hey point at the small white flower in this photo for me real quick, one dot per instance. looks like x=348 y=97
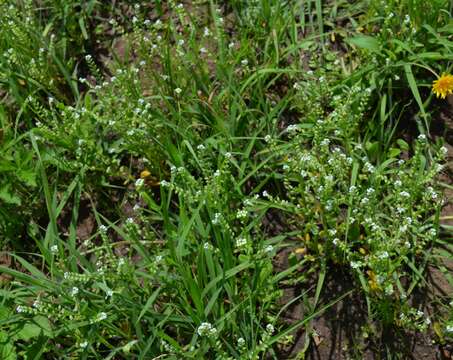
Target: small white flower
x=228 y=155
x=405 y=194
x=325 y=142
x=422 y=137
x=83 y=345
x=267 y=138
x=398 y=183
x=139 y=183
x=201 y=147
x=103 y=228
x=109 y=293
x=101 y=316
x=270 y=328
x=217 y=173
x=269 y=249
x=368 y=167
x=20 y=309
x=206 y=329
x=178 y=91
x=217 y=218
x=203 y=50
x=449 y=328
x=54 y=249
x=241 y=342
x=241 y=242
x=244 y=62
x=74 y=291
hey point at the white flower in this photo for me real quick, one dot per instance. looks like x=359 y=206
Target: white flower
x=269 y=249
x=241 y=342
x=203 y=50
x=103 y=228
x=178 y=91
x=109 y=293
x=336 y=241
x=383 y=255
x=139 y=183
x=325 y=142
x=267 y=138
x=398 y=183
x=422 y=137
x=217 y=218
x=449 y=328
x=20 y=309
x=206 y=329
x=368 y=167
x=228 y=155
x=244 y=62
x=405 y=194
x=54 y=249
x=101 y=316
x=270 y=328
x=291 y=128
x=74 y=291
x=241 y=242
x=201 y=147
x=242 y=214
x=83 y=345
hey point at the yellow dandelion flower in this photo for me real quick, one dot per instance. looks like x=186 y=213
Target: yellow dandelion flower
x=443 y=86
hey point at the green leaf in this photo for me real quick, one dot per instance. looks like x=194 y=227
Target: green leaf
x=7 y=349
x=402 y=144
x=27 y=176
x=8 y=196
x=365 y=42
x=394 y=152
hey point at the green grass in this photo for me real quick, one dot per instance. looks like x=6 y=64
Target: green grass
x=168 y=171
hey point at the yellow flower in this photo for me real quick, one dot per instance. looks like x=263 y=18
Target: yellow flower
x=144 y=174
x=443 y=86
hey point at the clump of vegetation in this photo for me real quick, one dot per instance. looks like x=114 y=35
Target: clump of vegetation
x=169 y=170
